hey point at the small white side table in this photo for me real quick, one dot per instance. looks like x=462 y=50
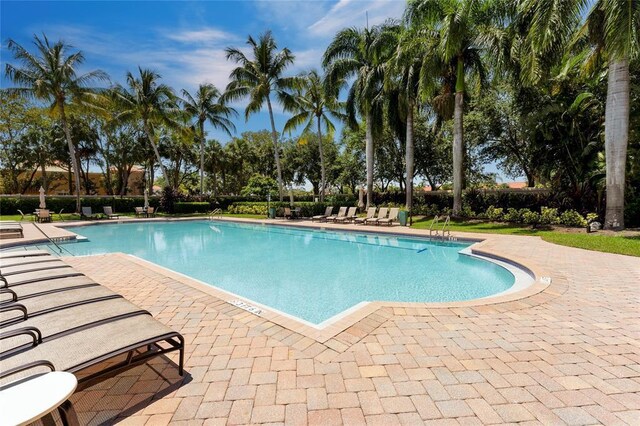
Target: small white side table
x=24 y=401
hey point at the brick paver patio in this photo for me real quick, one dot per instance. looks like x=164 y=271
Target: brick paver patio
x=567 y=355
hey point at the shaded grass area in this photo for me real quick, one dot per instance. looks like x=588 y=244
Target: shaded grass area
x=618 y=244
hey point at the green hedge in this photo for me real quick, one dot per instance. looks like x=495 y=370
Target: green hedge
x=192 y=207
x=307 y=209
x=11 y=205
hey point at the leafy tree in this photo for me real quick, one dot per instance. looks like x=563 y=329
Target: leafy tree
x=51 y=75
x=361 y=55
x=433 y=153
x=301 y=161
x=258 y=78
x=15 y=117
x=207 y=106
x=314 y=101
x=260 y=186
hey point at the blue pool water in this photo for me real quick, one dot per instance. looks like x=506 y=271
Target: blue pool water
x=310 y=274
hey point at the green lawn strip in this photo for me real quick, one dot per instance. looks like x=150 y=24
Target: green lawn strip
x=618 y=244
x=605 y=243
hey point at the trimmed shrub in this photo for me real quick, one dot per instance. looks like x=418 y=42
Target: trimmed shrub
x=549 y=216
x=494 y=213
x=572 y=218
x=307 y=209
x=191 y=207
x=512 y=215
x=529 y=217
x=11 y=205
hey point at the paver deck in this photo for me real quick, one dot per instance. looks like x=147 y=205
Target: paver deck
x=568 y=354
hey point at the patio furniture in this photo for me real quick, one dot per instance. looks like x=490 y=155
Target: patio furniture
x=23 y=253
x=11 y=229
x=323 y=217
x=44 y=215
x=382 y=213
x=31 y=277
x=342 y=211
x=371 y=213
x=393 y=217
x=140 y=211
x=8 y=270
x=151 y=212
x=13 y=261
x=76 y=324
x=87 y=213
x=57 y=323
x=290 y=213
x=139 y=338
x=351 y=214
x=25 y=401
x=108 y=211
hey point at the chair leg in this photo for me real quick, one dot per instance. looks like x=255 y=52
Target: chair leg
x=68 y=414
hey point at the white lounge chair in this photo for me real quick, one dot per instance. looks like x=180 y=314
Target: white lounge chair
x=323 y=217
x=393 y=216
x=382 y=213
x=371 y=213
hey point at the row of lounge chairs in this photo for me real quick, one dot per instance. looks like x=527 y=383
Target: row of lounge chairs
x=55 y=318
x=11 y=229
x=385 y=216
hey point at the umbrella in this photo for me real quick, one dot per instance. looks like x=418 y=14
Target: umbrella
x=146 y=198
x=361 y=198
x=43 y=204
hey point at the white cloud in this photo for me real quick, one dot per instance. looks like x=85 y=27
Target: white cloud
x=198 y=58
x=349 y=13
x=204 y=35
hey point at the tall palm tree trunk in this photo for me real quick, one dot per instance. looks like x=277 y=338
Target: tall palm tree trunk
x=458 y=153
x=72 y=152
x=201 y=158
x=276 y=154
x=616 y=137
x=369 y=157
x=409 y=157
x=323 y=174
x=151 y=136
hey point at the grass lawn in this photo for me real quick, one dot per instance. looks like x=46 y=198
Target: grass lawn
x=619 y=244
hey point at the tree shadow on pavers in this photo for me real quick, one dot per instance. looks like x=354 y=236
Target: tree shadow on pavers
x=128 y=392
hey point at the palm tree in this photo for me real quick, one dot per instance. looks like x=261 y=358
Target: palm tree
x=458 y=25
x=258 y=78
x=613 y=28
x=151 y=102
x=313 y=102
x=405 y=78
x=361 y=54
x=207 y=106
x=51 y=75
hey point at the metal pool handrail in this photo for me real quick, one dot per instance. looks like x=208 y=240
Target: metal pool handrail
x=60 y=249
x=213 y=213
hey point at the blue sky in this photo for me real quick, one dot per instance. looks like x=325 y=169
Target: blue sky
x=184 y=40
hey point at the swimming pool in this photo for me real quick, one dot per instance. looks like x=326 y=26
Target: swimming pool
x=310 y=274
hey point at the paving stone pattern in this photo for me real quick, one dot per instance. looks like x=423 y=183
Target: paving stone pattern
x=568 y=355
